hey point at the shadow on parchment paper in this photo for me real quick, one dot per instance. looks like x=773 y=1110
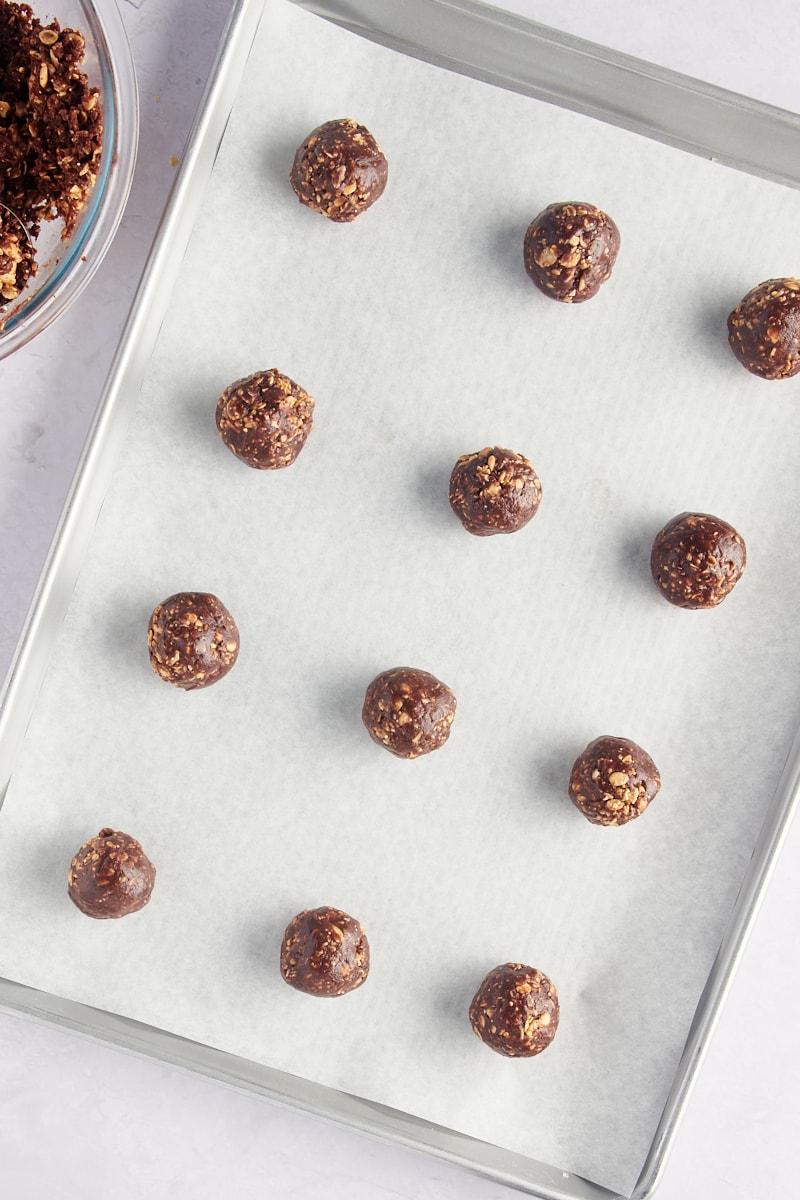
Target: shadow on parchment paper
x=124 y=641
x=503 y=245
x=634 y=546
x=430 y=492
x=262 y=941
x=339 y=702
x=278 y=160
x=708 y=318
x=550 y=771
x=46 y=865
x=549 y=787
x=194 y=413
x=455 y=995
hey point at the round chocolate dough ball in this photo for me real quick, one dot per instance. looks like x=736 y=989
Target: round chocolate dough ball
x=697 y=560
x=515 y=1011
x=570 y=250
x=613 y=781
x=17 y=261
x=324 y=953
x=409 y=712
x=339 y=171
x=193 y=640
x=494 y=491
x=110 y=876
x=764 y=329
x=265 y=419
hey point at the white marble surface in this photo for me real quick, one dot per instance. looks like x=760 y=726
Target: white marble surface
x=79 y=1119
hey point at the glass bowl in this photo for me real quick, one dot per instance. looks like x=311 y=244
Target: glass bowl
x=65 y=267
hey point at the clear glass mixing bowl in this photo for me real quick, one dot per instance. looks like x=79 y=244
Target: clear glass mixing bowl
x=66 y=267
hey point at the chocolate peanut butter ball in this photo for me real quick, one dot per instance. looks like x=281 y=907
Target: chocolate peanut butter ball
x=265 y=419
x=193 y=640
x=339 y=171
x=696 y=560
x=324 y=953
x=494 y=491
x=515 y=1011
x=409 y=712
x=17 y=262
x=764 y=329
x=570 y=250
x=110 y=876
x=613 y=781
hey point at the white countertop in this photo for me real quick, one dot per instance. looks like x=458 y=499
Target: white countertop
x=81 y=1120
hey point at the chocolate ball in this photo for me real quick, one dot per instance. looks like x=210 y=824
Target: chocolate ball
x=570 y=250
x=324 y=952
x=494 y=491
x=409 y=712
x=193 y=640
x=110 y=876
x=696 y=560
x=515 y=1011
x=613 y=781
x=764 y=329
x=339 y=171
x=265 y=419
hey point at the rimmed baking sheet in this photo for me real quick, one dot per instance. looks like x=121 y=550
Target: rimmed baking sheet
x=421 y=338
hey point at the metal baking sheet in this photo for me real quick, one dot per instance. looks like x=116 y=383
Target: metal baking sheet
x=685 y=411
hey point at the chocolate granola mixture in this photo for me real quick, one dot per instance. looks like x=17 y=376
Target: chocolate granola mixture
x=51 y=125
x=17 y=262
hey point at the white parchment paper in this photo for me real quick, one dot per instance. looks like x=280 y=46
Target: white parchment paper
x=421 y=338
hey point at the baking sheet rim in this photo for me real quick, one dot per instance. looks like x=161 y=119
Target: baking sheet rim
x=53 y=595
